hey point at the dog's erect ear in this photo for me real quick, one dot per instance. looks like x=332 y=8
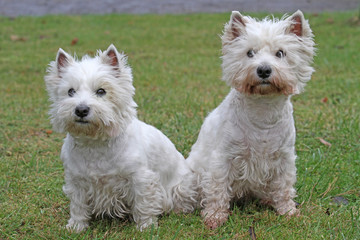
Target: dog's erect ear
x=298 y=25
x=62 y=59
x=113 y=54
x=237 y=24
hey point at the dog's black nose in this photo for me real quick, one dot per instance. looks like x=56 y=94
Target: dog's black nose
x=82 y=110
x=264 y=71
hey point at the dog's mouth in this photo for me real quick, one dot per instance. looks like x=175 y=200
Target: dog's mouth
x=81 y=121
x=265 y=83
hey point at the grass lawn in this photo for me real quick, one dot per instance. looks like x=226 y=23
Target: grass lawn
x=176 y=67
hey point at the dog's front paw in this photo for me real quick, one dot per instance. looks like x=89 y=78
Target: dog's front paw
x=288 y=209
x=147 y=223
x=76 y=226
x=289 y=212
x=214 y=219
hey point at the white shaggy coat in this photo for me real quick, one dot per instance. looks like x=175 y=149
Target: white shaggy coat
x=246 y=145
x=114 y=164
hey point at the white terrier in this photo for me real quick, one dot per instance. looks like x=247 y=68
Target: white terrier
x=114 y=164
x=246 y=145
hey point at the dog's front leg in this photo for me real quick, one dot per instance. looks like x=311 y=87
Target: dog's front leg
x=79 y=210
x=281 y=190
x=149 y=198
x=217 y=196
x=282 y=199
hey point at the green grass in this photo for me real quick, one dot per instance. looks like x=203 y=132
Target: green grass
x=176 y=66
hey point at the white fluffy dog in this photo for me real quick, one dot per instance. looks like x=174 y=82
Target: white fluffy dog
x=246 y=145
x=114 y=164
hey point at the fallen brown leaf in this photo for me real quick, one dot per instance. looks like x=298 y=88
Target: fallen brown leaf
x=74 y=41
x=16 y=38
x=330 y=20
x=326 y=143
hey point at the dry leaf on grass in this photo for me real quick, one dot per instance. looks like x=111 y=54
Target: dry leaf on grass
x=326 y=143
x=48 y=131
x=16 y=38
x=330 y=20
x=74 y=41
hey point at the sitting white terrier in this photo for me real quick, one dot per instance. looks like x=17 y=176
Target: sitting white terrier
x=246 y=145
x=114 y=164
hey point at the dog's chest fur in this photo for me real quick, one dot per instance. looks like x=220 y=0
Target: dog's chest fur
x=98 y=172
x=254 y=156
x=257 y=146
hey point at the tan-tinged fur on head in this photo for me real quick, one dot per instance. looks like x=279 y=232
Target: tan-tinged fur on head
x=292 y=35
x=108 y=114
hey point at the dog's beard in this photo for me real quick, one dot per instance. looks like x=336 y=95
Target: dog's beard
x=102 y=122
x=91 y=129
x=275 y=84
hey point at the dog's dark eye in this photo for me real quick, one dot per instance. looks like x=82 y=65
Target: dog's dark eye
x=100 y=92
x=71 y=92
x=280 y=54
x=250 y=53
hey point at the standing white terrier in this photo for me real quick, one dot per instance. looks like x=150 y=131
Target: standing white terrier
x=246 y=145
x=114 y=164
